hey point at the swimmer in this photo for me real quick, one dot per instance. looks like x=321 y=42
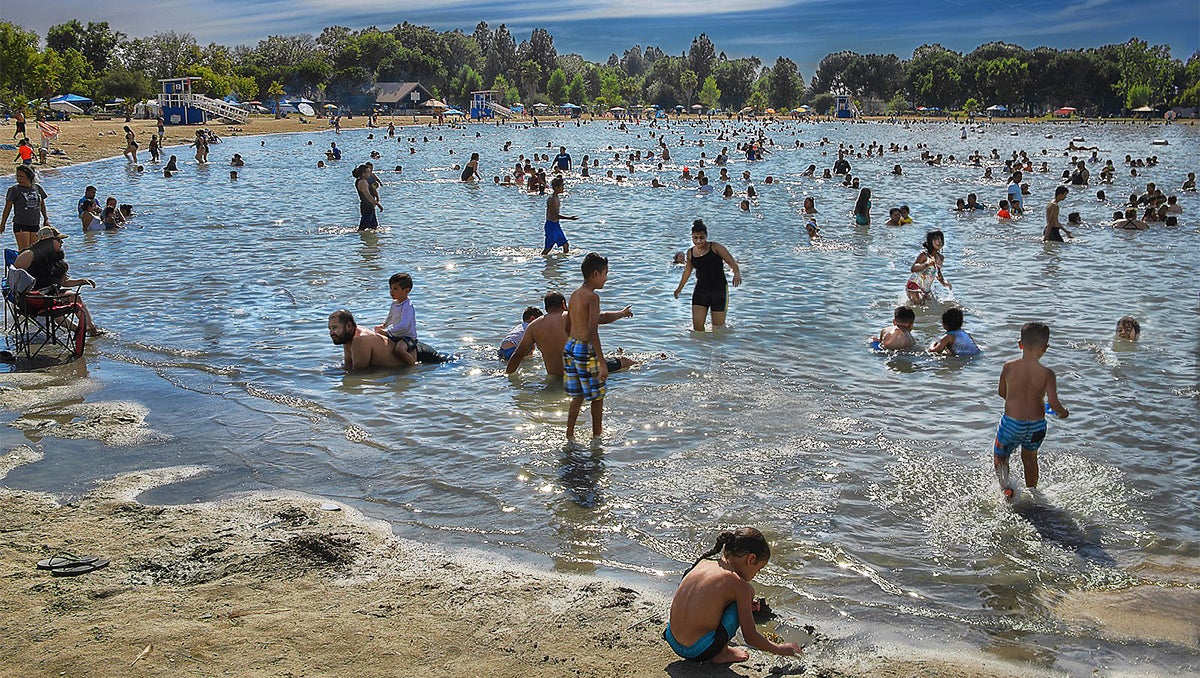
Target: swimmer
x=1054 y=230
x=926 y=269
x=715 y=598
x=511 y=340
x=548 y=333
x=898 y=336
x=956 y=341
x=711 y=292
x=1129 y=329
x=811 y=227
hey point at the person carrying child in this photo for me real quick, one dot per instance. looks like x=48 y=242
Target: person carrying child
x=926 y=269
x=1025 y=384
x=956 y=341
x=401 y=323
x=715 y=598
x=898 y=336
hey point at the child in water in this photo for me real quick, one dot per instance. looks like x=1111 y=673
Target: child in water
x=956 y=341
x=1026 y=385
x=715 y=598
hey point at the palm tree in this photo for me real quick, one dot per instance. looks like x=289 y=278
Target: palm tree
x=275 y=91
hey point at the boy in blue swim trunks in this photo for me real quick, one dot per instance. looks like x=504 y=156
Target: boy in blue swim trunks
x=1025 y=385
x=584 y=367
x=554 y=233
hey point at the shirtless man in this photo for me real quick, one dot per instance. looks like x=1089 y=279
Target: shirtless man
x=549 y=334
x=363 y=348
x=1054 y=230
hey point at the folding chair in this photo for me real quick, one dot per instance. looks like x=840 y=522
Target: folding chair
x=39 y=325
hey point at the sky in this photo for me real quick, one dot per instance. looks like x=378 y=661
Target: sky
x=801 y=30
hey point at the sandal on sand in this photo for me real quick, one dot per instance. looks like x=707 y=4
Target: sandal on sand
x=65 y=559
x=82 y=568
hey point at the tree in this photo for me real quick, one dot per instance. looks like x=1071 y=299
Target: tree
x=1006 y=78
x=935 y=76
x=539 y=49
x=45 y=72
x=530 y=74
x=823 y=103
x=633 y=63
x=783 y=84
x=162 y=55
x=556 y=87
x=710 y=94
x=971 y=105
x=18 y=51
x=275 y=92
x=506 y=92
x=77 y=74
x=897 y=105
x=736 y=79
x=1150 y=70
x=96 y=42
x=468 y=80
x=701 y=56
x=687 y=86
x=577 y=91
x=500 y=58
x=130 y=85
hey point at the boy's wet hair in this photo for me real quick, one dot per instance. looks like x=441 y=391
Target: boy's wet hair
x=1130 y=324
x=740 y=542
x=952 y=319
x=531 y=313
x=904 y=314
x=699 y=227
x=554 y=301
x=557 y=182
x=404 y=280
x=593 y=263
x=1035 y=335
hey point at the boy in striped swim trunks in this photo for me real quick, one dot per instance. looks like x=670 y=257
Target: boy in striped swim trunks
x=585 y=370
x=1026 y=385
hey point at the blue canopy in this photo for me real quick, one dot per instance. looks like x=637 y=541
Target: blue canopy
x=71 y=98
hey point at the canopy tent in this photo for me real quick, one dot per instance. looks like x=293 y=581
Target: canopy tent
x=1065 y=110
x=453 y=111
x=1144 y=109
x=996 y=108
x=72 y=99
x=748 y=109
x=115 y=102
x=616 y=109
x=569 y=106
x=434 y=103
x=65 y=107
x=697 y=107
x=539 y=105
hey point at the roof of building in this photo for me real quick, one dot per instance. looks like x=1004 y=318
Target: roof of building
x=396 y=92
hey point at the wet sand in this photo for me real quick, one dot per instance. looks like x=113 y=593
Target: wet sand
x=283 y=584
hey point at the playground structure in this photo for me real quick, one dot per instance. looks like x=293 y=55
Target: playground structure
x=181 y=106
x=483 y=105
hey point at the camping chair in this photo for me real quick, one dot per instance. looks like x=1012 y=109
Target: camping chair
x=41 y=325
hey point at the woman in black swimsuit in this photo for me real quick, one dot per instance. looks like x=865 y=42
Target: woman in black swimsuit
x=711 y=291
x=471 y=171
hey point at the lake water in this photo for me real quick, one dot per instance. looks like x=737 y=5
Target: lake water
x=870 y=474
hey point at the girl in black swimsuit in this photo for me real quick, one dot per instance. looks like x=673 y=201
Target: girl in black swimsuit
x=711 y=292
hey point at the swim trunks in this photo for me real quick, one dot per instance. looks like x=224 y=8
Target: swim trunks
x=614 y=364
x=711 y=643
x=367 y=219
x=711 y=291
x=1014 y=433
x=581 y=371
x=554 y=235
x=506 y=353
x=410 y=343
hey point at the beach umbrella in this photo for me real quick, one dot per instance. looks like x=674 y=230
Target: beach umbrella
x=616 y=109
x=770 y=111
x=1065 y=110
x=697 y=107
x=454 y=111
x=539 y=105
x=330 y=106
x=305 y=109
x=433 y=103
x=747 y=109
x=994 y=108
x=65 y=107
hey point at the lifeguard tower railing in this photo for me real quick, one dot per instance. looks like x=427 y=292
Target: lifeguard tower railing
x=177 y=97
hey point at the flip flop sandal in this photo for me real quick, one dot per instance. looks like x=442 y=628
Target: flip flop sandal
x=83 y=568
x=65 y=559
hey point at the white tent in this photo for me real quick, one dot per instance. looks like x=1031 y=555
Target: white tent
x=65 y=107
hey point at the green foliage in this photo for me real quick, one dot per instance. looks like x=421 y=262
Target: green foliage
x=1145 y=72
x=556 y=87
x=897 y=105
x=935 y=76
x=971 y=105
x=577 y=91
x=506 y=92
x=710 y=94
x=130 y=85
x=823 y=103
x=1005 y=77
x=1137 y=96
x=18 y=52
x=468 y=80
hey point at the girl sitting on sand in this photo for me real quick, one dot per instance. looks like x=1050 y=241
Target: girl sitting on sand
x=715 y=598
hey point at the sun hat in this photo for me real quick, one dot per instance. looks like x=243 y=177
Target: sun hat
x=51 y=232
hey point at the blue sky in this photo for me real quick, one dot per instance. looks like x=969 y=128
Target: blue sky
x=803 y=30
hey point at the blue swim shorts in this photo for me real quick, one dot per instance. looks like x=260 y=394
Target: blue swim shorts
x=554 y=235
x=1014 y=433
x=711 y=643
x=506 y=353
x=581 y=371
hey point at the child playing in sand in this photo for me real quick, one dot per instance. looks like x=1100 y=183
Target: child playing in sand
x=401 y=323
x=1025 y=384
x=956 y=341
x=584 y=367
x=898 y=336
x=715 y=598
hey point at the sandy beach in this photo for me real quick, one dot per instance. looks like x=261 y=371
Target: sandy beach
x=273 y=585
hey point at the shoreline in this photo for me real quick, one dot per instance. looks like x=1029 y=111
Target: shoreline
x=268 y=583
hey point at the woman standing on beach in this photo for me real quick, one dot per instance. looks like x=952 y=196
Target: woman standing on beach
x=862 y=208
x=26 y=200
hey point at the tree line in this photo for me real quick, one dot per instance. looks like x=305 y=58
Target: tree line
x=343 y=65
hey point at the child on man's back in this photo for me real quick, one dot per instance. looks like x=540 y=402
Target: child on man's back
x=401 y=323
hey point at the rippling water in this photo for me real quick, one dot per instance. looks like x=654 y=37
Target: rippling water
x=870 y=474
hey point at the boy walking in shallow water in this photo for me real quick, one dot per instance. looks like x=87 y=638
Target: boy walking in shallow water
x=583 y=360
x=1025 y=384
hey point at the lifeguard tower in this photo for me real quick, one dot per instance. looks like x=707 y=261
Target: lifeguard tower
x=842 y=106
x=483 y=105
x=181 y=106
